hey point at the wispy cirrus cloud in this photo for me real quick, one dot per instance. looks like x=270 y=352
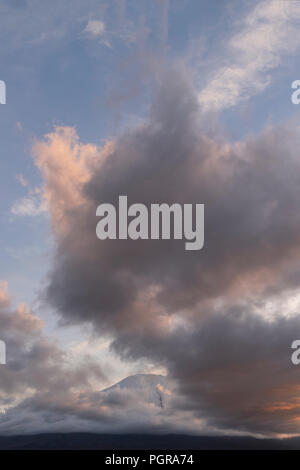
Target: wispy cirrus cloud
x=267 y=35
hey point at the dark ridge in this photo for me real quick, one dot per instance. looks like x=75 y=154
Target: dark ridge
x=88 y=441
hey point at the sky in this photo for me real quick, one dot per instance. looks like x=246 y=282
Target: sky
x=182 y=101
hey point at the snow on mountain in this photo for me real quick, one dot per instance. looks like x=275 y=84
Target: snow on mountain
x=151 y=388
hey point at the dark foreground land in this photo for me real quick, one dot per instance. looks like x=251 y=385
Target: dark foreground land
x=86 y=441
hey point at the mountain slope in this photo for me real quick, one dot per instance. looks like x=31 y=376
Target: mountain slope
x=153 y=388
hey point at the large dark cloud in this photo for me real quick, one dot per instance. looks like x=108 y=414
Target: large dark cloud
x=193 y=312
x=234 y=367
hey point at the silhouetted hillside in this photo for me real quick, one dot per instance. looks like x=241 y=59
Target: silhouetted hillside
x=86 y=441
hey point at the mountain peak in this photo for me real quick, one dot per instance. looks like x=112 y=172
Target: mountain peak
x=152 y=387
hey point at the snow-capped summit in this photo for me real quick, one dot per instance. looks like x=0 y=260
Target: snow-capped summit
x=151 y=387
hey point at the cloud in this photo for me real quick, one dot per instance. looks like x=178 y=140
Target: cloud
x=46 y=388
x=233 y=368
x=37 y=370
x=66 y=165
x=4 y=294
x=32 y=205
x=61 y=154
x=28 y=207
x=268 y=34
x=19 y=126
x=95 y=28
x=22 y=180
x=196 y=314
